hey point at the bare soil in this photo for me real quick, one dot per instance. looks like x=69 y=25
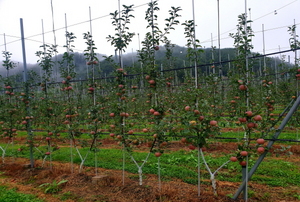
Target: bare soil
x=80 y=187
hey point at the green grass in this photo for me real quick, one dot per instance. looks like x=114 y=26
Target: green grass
x=11 y=195
x=237 y=135
x=183 y=165
x=240 y=135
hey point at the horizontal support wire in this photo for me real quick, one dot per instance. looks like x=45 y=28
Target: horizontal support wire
x=181 y=136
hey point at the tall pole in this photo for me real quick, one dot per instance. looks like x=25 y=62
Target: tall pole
x=120 y=51
x=67 y=43
x=142 y=72
x=219 y=41
x=23 y=50
x=229 y=64
x=152 y=30
x=6 y=58
x=4 y=42
x=250 y=20
x=247 y=94
x=280 y=57
x=195 y=62
x=30 y=136
x=212 y=52
x=246 y=56
x=295 y=40
x=264 y=50
x=44 y=47
x=54 y=36
x=92 y=52
x=196 y=86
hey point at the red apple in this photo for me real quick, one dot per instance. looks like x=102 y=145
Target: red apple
x=66 y=122
x=213 y=123
x=196 y=111
x=157 y=154
x=251 y=125
x=156 y=113
x=260 y=141
x=152 y=111
x=233 y=159
x=260 y=150
x=243 y=87
x=187 y=108
x=183 y=140
x=249 y=113
x=151 y=82
x=257 y=118
x=242 y=120
x=201 y=118
x=244 y=153
x=243 y=163
x=192 y=147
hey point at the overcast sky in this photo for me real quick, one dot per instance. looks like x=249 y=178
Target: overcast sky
x=276 y=15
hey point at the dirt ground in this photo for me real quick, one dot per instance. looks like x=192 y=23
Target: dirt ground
x=111 y=187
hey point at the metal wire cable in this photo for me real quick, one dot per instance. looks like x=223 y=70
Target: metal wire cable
x=97 y=18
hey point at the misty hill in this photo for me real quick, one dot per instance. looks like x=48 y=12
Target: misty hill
x=133 y=66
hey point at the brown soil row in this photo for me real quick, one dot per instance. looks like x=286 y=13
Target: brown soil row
x=111 y=187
